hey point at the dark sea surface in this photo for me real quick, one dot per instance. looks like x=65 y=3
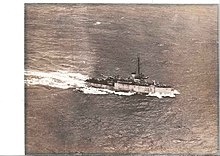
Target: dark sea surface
x=67 y=43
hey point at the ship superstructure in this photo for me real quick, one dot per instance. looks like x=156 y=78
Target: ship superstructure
x=137 y=82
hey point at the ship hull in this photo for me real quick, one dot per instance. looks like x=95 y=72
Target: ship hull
x=99 y=85
x=133 y=88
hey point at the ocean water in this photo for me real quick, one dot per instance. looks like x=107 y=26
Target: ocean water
x=67 y=43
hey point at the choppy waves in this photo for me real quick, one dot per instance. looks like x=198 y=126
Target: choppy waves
x=65 y=80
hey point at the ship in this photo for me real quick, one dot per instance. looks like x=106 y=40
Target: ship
x=137 y=83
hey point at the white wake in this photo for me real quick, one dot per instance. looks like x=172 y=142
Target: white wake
x=65 y=80
x=59 y=79
x=160 y=95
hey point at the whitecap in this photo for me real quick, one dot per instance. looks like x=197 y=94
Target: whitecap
x=97 y=23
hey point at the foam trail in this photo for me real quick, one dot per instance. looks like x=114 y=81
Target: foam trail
x=176 y=92
x=59 y=79
x=160 y=95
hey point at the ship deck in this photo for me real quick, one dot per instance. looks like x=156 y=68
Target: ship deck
x=111 y=82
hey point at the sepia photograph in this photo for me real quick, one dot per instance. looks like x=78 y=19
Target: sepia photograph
x=121 y=78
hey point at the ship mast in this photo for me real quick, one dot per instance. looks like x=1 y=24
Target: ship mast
x=138 y=66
